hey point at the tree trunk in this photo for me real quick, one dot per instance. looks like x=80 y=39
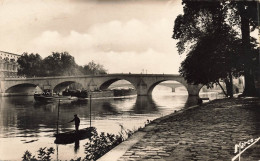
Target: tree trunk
x=250 y=89
x=222 y=89
x=231 y=85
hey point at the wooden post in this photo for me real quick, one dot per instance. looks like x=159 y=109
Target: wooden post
x=58 y=117
x=239 y=151
x=90 y=111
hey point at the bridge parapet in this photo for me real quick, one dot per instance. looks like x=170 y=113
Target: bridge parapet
x=143 y=83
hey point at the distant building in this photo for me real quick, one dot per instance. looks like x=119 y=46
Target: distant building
x=8 y=64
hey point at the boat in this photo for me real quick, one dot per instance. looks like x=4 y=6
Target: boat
x=124 y=92
x=97 y=94
x=50 y=98
x=42 y=98
x=73 y=136
x=100 y=94
x=85 y=94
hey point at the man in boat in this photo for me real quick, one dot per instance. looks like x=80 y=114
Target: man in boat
x=77 y=121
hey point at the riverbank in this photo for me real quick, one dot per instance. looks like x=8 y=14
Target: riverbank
x=206 y=132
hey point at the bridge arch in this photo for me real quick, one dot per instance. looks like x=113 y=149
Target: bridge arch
x=63 y=85
x=23 y=88
x=109 y=82
x=151 y=88
x=106 y=84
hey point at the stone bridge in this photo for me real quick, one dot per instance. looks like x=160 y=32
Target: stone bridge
x=143 y=83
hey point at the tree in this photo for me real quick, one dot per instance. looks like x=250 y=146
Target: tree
x=60 y=64
x=246 y=14
x=30 y=65
x=213 y=46
x=57 y=64
x=199 y=19
x=52 y=65
x=94 y=68
x=203 y=26
x=218 y=60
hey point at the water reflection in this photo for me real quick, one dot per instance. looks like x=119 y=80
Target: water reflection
x=31 y=117
x=31 y=125
x=76 y=146
x=144 y=104
x=108 y=108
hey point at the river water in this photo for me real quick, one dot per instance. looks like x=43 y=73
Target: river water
x=28 y=125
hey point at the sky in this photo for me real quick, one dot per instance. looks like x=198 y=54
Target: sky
x=122 y=35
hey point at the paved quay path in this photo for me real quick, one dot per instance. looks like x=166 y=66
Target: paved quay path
x=206 y=132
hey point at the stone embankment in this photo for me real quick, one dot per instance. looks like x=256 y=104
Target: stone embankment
x=206 y=132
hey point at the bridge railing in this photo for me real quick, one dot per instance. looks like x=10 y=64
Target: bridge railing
x=96 y=75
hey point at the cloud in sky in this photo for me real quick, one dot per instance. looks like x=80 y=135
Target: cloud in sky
x=117 y=36
x=121 y=47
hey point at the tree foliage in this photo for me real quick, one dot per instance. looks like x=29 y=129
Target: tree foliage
x=30 y=65
x=213 y=46
x=101 y=144
x=244 y=9
x=57 y=64
x=205 y=68
x=60 y=64
x=94 y=68
x=43 y=155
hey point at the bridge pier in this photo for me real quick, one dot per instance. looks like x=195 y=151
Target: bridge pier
x=142 y=89
x=142 y=93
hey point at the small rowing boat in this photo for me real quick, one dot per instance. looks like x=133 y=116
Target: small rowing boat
x=72 y=136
